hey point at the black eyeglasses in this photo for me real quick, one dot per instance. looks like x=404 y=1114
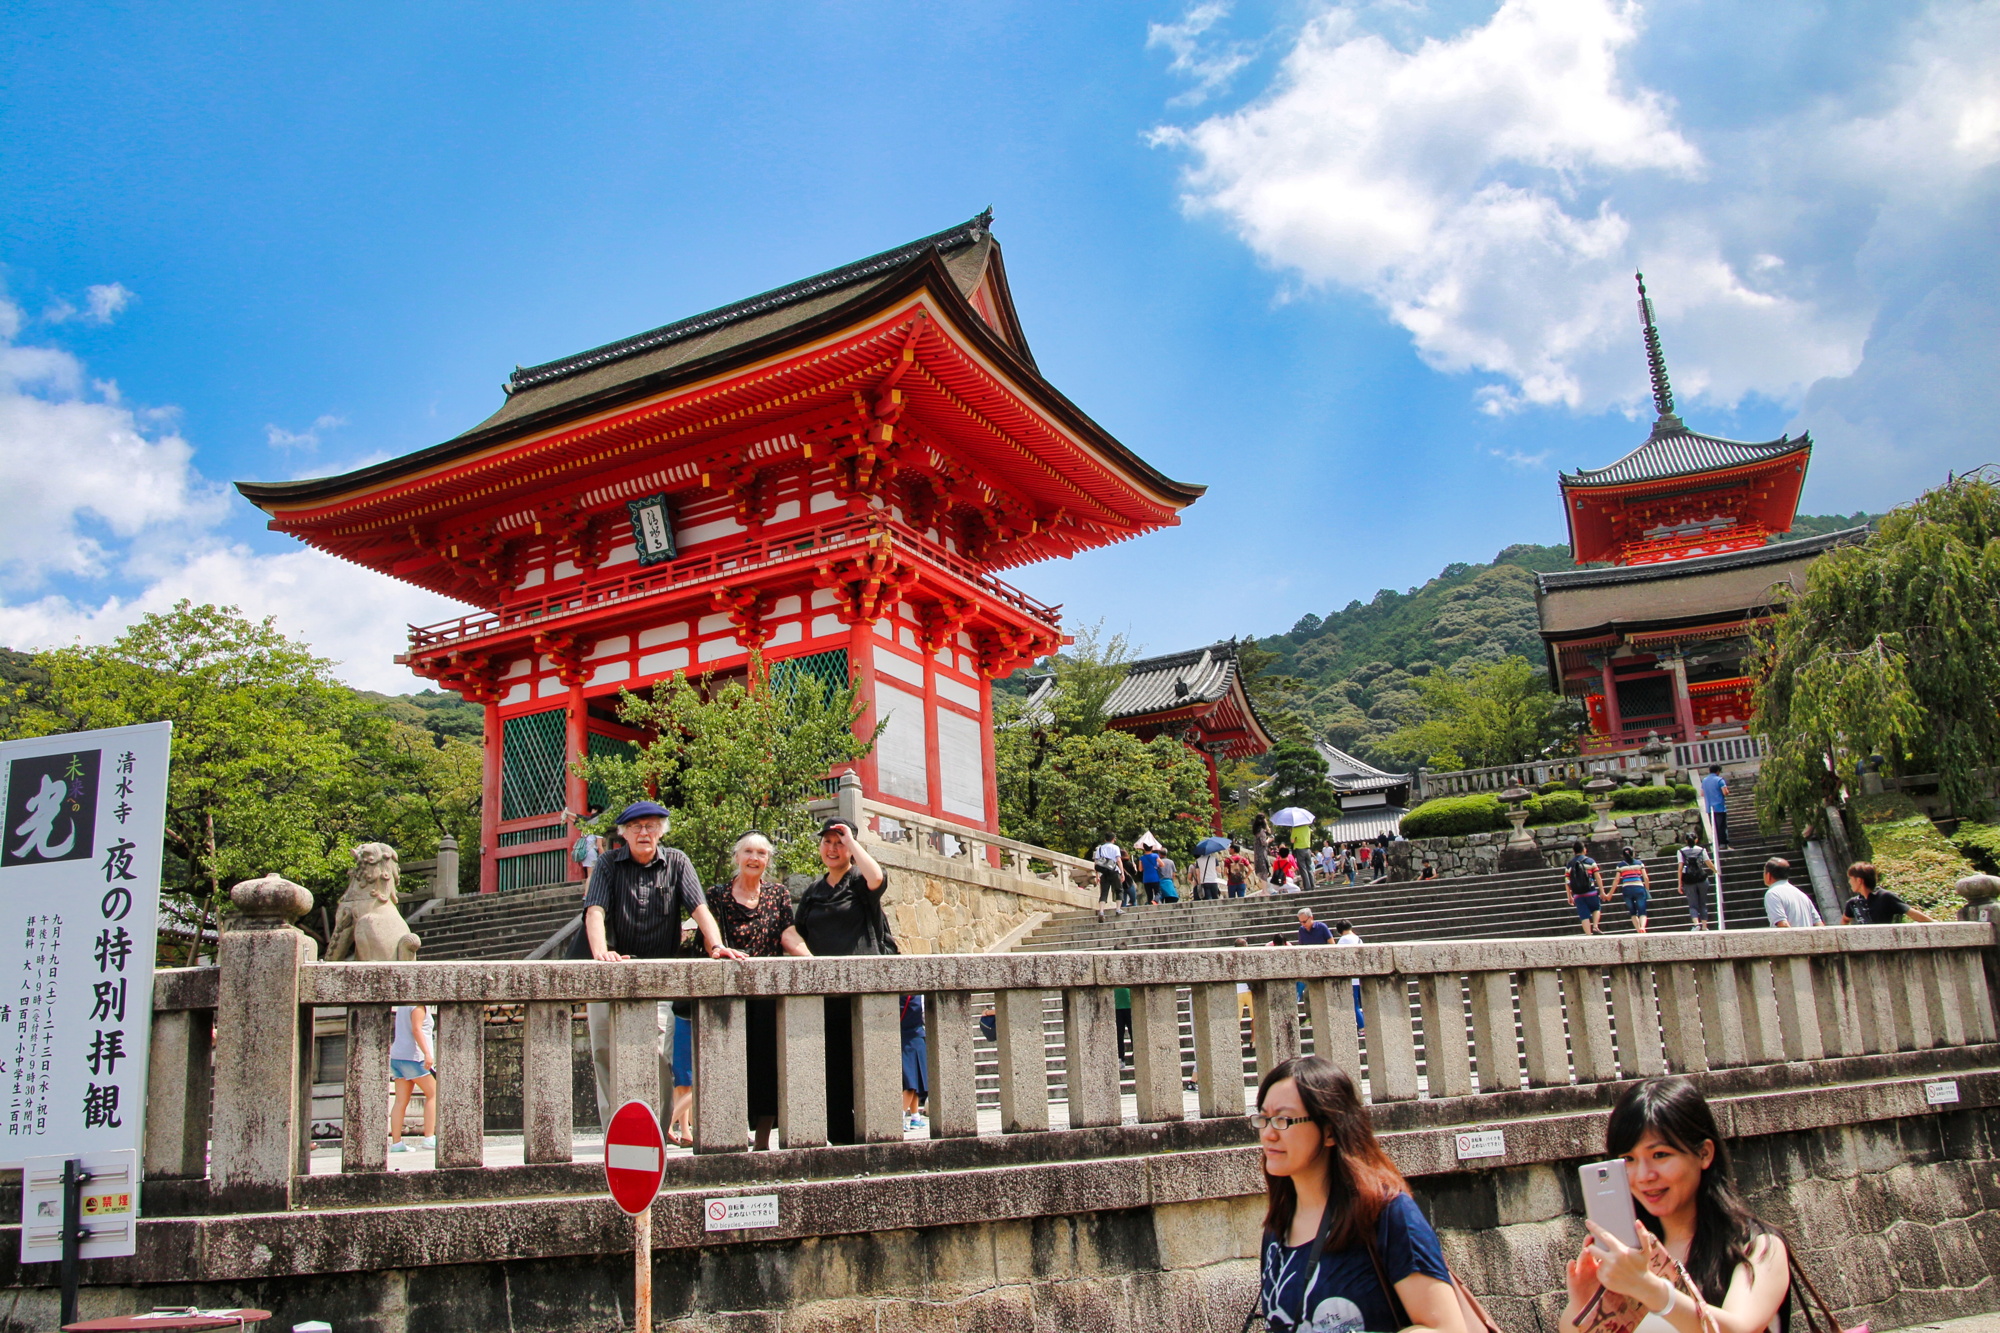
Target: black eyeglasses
x=1281 y=1123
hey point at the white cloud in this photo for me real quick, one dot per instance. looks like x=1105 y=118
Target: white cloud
x=1209 y=62
x=280 y=438
x=102 y=303
x=107 y=498
x=1494 y=189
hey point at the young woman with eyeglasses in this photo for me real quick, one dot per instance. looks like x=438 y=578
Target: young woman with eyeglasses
x=1345 y=1247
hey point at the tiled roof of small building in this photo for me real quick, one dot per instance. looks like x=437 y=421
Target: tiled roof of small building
x=1347 y=773
x=1175 y=680
x=1675 y=451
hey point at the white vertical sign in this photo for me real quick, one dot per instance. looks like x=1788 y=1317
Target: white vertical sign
x=79 y=907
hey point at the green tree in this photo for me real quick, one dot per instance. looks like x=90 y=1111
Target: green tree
x=1893 y=649
x=1298 y=777
x=746 y=753
x=276 y=766
x=1065 y=779
x=1483 y=714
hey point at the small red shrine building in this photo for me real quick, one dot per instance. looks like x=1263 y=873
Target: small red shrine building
x=832 y=471
x=1660 y=640
x=1197 y=697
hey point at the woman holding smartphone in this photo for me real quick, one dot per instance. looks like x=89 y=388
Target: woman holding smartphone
x=1345 y=1246
x=1678 y=1170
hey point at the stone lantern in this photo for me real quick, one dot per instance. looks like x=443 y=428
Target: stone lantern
x=1655 y=752
x=1521 y=851
x=1604 y=841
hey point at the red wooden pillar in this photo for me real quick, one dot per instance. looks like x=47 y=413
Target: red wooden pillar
x=1683 y=701
x=489 y=803
x=933 y=763
x=1214 y=788
x=1613 y=726
x=575 y=790
x=861 y=666
x=988 y=764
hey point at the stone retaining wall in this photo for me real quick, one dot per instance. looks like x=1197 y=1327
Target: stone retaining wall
x=939 y=905
x=1651 y=832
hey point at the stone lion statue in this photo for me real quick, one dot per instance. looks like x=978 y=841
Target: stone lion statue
x=368 y=925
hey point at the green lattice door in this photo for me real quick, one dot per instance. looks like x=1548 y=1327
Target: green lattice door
x=531 y=765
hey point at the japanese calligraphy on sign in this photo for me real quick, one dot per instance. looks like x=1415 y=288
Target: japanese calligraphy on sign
x=79 y=903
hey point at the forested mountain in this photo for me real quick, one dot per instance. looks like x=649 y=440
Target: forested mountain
x=1352 y=674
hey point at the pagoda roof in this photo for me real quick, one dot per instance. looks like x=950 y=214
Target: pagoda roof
x=1347 y=773
x=1673 y=451
x=1776 y=553
x=729 y=337
x=1173 y=686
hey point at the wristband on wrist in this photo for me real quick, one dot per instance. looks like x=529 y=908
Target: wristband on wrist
x=1672 y=1296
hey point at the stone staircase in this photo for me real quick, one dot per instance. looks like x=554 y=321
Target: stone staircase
x=496 y=926
x=1511 y=904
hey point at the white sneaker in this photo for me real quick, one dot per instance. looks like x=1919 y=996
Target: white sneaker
x=400 y=1146
x=430 y=1141
x=915 y=1122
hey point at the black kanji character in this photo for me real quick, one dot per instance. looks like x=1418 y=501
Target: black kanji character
x=100 y=1107
x=118 y=861
x=106 y=1050
x=110 y=1002
x=114 y=947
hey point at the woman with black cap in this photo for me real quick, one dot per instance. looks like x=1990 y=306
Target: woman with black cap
x=839 y=916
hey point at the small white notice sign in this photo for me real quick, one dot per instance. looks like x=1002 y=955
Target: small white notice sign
x=1942 y=1092
x=741 y=1212
x=1482 y=1143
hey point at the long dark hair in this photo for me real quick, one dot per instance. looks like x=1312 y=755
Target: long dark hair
x=1360 y=1179
x=1724 y=1226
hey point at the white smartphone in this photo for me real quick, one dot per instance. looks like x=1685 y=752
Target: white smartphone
x=1607 y=1199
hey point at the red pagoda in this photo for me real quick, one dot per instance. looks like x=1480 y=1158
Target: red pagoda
x=831 y=472
x=1660 y=641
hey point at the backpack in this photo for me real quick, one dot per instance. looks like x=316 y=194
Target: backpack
x=577 y=852
x=1580 y=882
x=1694 y=863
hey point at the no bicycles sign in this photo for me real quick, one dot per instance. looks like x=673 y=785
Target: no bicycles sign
x=741 y=1212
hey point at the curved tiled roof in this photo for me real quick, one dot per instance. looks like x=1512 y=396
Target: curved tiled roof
x=1175 y=680
x=1347 y=773
x=1675 y=451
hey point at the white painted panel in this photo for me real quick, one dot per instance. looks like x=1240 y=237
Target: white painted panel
x=789 y=632
x=899 y=754
x=962 y=695
x=535 y=579
x=610 y=671
x=706 y=532
x=671 y=660
x=825 y=625
x=968 y=666
x=550 y=685
x=543 y=663
x=565 y=569
x=622 y=554
x=824 y=597
x=520 y=666
x=825 y=500
x=944 y=657
x=882 y=628
x=713 y=624
x=964 y=639
x=906 y=611
x=714 y=648
x=961 y=767
x=518 y=694
x=614 y=646
x=892 y=663
x=659 y=634
x=788 y=510
x=907 y=637
x=786 y=606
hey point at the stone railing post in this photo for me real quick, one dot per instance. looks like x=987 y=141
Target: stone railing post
x=1982 y=903
x=260 y=1110
x=445 y=885
x=847 y=796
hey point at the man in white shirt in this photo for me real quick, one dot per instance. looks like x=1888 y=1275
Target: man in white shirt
x=1208 y=876
x=1110 y=876
x=1784 y=905
x=1344 y=935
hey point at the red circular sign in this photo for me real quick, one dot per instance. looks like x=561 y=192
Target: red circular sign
x=635 y=1157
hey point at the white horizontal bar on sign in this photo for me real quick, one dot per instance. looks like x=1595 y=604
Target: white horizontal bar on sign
x=893 y=663
x=631 y=1157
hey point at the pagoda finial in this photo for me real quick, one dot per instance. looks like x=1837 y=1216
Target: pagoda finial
x=1656 y=360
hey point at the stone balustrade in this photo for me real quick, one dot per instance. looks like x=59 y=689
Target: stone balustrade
x=1456 y=1025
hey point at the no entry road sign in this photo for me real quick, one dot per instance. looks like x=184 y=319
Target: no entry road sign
x=635 y=1157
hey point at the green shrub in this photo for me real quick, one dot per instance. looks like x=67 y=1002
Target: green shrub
x=1884 y=808
x=1451 y=816
x=1920 y=864
x=1682 y=791
x=1554 y=785
x=1643 y=798
x=1979 y=844
x=1558 y=807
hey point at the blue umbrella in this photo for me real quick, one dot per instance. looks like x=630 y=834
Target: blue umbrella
x=1210 y=846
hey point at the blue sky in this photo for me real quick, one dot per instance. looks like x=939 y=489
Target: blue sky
x=1363 y=269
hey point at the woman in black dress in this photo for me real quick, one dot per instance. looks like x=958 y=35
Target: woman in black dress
x=840 y=915
x=757 y=918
